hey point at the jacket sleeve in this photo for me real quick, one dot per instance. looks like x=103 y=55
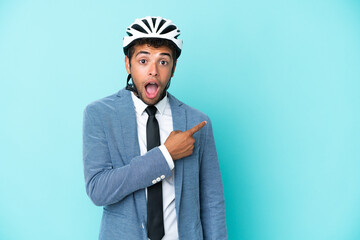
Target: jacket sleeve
x=212 y=204
x=105 y=184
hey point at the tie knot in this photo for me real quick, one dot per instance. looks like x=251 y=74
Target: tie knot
x=151 y=110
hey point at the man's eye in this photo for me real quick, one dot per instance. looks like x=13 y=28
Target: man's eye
x=163 y=62
x=142 y=61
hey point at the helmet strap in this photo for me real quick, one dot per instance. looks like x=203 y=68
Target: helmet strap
x=131 y=86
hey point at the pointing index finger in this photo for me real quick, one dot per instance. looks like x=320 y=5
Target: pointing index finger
x=197 y=127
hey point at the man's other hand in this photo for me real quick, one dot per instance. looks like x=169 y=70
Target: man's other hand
x=181 y=144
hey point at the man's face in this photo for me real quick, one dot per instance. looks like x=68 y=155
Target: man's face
x=151 y=70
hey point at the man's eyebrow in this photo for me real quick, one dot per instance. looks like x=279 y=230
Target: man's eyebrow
x=142 y=52
x=166 y=54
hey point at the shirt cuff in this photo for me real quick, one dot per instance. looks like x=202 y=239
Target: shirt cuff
x=167 y=156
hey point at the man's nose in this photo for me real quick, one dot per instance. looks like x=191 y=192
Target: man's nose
x=153 y=71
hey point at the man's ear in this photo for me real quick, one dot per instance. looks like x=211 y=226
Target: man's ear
x=173 y=70
x=127 y=64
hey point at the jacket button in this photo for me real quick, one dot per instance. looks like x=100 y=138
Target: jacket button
x=162 y=176
x=153 y=181
x=158 y=179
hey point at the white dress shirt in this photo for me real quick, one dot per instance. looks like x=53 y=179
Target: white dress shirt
x=164 y=118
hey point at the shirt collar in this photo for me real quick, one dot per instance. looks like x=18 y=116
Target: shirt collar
x=140 y=106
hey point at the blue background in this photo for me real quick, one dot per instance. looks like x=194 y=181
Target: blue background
x=279 y=79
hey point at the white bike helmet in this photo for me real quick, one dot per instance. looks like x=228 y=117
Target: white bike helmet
x=152 y=27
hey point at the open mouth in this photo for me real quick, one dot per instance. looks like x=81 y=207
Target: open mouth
x=151 y=89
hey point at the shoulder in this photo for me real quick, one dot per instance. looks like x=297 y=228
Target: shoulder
x=105 y=104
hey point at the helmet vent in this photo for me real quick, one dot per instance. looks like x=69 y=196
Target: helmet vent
x=128 y=33
x=160 y=25
x=168 y=29
x=139 y=28
x=147 y=24
x=153 y=21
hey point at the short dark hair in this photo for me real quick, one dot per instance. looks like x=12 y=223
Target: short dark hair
x=153 y=42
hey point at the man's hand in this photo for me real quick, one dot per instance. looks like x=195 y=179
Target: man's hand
x=181 y=144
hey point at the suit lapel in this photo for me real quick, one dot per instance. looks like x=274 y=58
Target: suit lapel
x=127 y=120
x=179 y=123
x=130 y=143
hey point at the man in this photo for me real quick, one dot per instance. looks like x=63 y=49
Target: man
x=154 y=182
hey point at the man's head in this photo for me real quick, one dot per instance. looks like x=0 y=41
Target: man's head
x=151 y=69
x=151 y=50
